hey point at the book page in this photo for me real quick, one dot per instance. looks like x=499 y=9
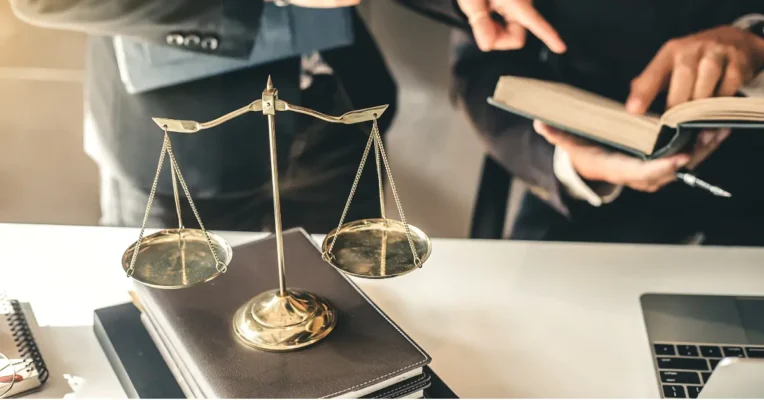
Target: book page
x=739 y=109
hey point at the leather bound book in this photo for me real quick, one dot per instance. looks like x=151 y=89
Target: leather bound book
x=145 y=368
x=406 y=386
x=364 y=350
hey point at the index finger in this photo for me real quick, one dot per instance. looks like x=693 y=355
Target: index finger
x=527 y=15
x=483 y=27
x=649 y=83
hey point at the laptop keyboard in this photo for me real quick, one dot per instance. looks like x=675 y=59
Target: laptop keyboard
x=683 y=368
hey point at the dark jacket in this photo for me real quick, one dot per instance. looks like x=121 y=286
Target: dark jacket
x=609 y=43
x=233 y=158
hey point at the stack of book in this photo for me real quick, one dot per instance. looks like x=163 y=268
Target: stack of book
x=365 y=356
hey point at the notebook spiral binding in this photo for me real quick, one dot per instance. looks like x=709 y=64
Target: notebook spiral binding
x=24 y=340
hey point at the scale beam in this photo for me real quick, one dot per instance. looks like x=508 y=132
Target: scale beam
x=352 y=117
x=187 y=126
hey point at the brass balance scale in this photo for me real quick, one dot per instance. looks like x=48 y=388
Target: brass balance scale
x=282 y=319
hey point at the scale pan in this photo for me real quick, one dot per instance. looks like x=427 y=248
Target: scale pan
x=177 y=258
x=377 y=248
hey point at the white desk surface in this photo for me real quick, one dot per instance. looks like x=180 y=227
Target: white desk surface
x=499 y=318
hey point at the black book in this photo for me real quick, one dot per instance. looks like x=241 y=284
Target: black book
x=133 y=355
x=366 y=351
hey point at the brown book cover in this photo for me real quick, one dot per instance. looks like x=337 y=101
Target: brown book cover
x=365 y=348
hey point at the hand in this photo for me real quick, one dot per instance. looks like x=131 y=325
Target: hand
x=595 y=163
x=518 y=15
x=715 y=62
x=323 y=3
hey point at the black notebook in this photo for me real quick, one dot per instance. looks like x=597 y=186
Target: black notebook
x=364 y=350
x=22 y=368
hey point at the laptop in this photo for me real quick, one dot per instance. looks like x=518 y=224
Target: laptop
x=706 y=346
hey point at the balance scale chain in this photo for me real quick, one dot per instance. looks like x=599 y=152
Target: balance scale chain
x=378 y=138
x=220 y=266
x=379 y=149
x=176 y=173
x=327 y=255
x=148 y=206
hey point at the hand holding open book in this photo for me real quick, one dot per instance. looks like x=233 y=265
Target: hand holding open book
x=597 y=164
x=597 y=131
x=712 y=63
x=716 y=62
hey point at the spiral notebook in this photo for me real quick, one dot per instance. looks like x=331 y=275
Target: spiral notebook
x=26 y=371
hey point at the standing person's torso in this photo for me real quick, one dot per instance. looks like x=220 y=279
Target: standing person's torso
x=132 y=82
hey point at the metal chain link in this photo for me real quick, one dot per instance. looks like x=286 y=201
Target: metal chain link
x=379 y=149
x=219 y=265
x=177 y=196
x=378 y=139
x=381 y=183
x=175 y=170
x=166 y=140
x=327 y=255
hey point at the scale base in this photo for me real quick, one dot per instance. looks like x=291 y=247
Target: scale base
x=273 y=322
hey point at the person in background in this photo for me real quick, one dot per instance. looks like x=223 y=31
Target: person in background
x=199 y=60
x=649 y=55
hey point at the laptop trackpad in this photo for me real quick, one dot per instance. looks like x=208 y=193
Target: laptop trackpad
x=752 y=314
x=694 y=318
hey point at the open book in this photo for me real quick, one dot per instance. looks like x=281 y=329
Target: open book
x=606 y=121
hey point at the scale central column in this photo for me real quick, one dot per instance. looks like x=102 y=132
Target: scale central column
x=269 y=108
x=283 y=319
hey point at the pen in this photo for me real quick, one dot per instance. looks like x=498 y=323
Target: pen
x=692 y=180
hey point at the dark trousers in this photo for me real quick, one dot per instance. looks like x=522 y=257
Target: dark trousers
x=314 y=183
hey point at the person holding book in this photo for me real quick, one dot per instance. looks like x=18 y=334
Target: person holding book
x=648 y=56
x=198 y=60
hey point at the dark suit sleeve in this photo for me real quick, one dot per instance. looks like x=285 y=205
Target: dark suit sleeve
x=222 y=27
x=510 y=139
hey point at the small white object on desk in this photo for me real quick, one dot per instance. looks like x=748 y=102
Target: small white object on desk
x=499 y=318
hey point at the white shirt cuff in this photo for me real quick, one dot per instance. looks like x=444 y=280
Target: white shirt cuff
x=576 y=187
x=754 y=88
